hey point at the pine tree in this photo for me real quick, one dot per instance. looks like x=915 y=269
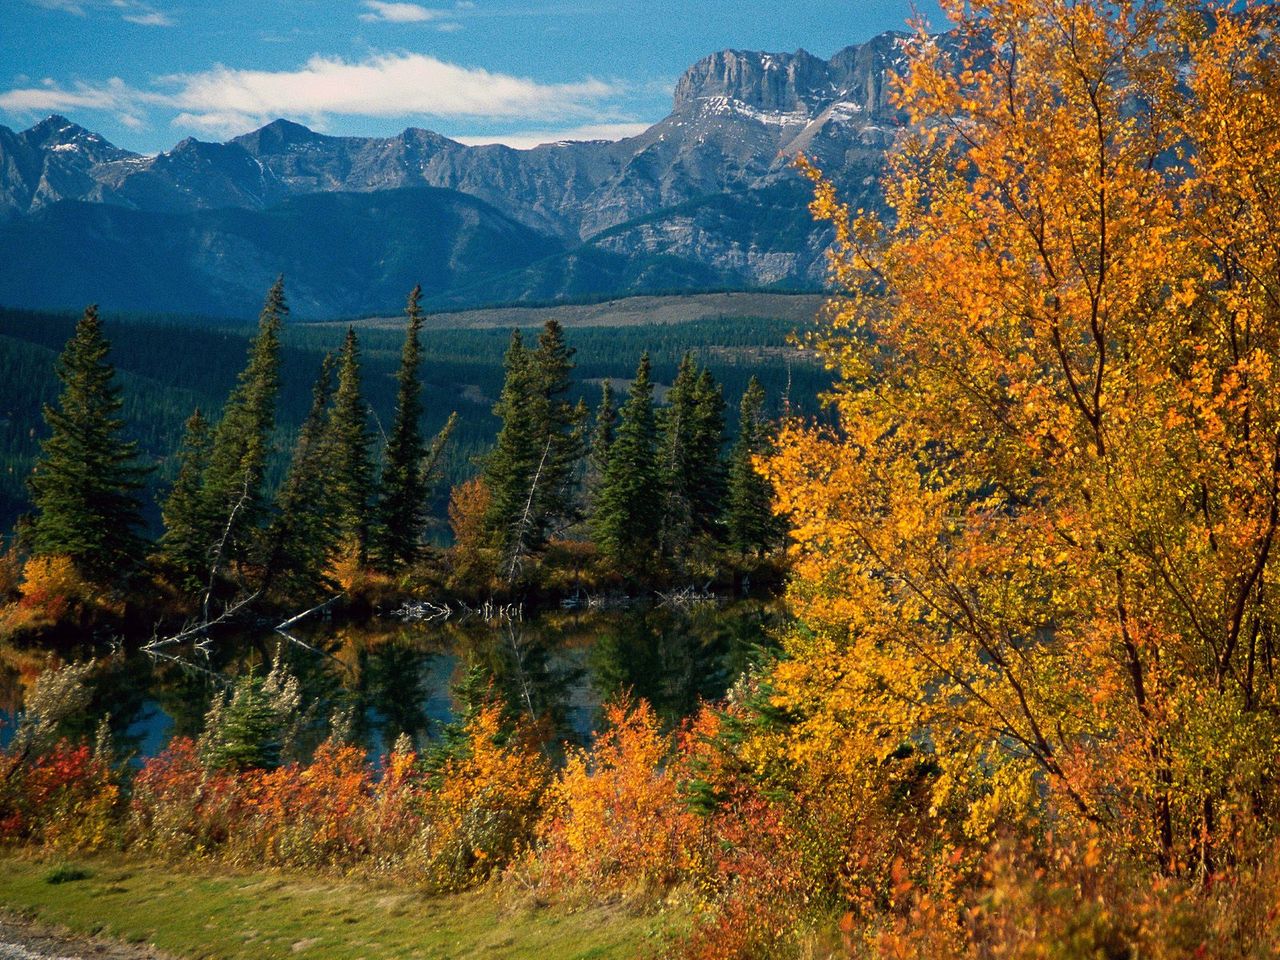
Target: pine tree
x=561 y=428
x=349 y=445
x=676 y=426
x=628 y=510
x=233 y=498
x=705 y=446
x=533 y=471
x=302 y=534
x=402 y=508
x=183 y=545
x=512 y=465
x=84 y=485
x=601 y=439
x=751 y=527
x=692 y=430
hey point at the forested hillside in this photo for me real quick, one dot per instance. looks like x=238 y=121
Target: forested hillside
x=168 y=367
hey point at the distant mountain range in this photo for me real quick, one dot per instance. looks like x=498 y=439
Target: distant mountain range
x=704 y=199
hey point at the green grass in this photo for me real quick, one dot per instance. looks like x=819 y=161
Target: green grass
x=208 y=913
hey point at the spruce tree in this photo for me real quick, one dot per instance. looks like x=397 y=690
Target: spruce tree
x=533 y=470
x=233 y=496
x=183 y=545
x=85 y=483
x=692 y=433
x=561 y=427
x=403 y=505
x=302 y=534
x=751 y=527
x=348 y=448
x=675 y=426
x=628 y=510
x=705 y=445
x=512 y=465
x=601 y=438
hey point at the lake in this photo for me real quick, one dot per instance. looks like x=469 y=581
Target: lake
x=399 y=677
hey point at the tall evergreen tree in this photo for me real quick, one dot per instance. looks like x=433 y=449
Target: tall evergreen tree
x=183 y=545
x=233 y=496
x=751 y=527
x=302 y=536
x=692 y=428
x=601 y=438
x=512 y=466
x=705 y=447
x=561 y=426
x=84 y=485
x=403 y=505
x=349 y=444
x=628 y=510
x=533 y=470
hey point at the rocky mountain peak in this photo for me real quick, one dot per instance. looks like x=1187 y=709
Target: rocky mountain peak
x=56 y=131
x=776 y=82
x=277 y=137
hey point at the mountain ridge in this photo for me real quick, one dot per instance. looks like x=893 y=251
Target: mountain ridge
x=706 y=195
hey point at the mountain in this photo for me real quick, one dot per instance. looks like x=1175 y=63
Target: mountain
x=340 y=251
x=707 y=197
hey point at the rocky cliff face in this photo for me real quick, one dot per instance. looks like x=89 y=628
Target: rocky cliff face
x=709 y=188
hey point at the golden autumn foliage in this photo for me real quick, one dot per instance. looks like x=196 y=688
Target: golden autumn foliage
x=616 y=820
x=1040 y=546
x=470 y=558
x=485 y=810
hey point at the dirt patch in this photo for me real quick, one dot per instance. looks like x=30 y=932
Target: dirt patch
x=23 y=939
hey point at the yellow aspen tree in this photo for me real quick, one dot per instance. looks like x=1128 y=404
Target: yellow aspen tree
x=1040 y=545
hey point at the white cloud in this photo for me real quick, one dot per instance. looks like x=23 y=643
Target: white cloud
x=152 y=18
x=66 y=6
x=404 y=85
x=386 y=85
x=523 y=140
x=134 y=11
x=115 y=94
x=400 y=12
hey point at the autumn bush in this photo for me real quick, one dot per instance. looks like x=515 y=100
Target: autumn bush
x=65 y=799
x=616 y=820
x=485 y=804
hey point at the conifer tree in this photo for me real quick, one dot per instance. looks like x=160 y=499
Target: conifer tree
x=85 y=482
x=601 y=438
x=183 y=545
x=511 y=466
x=402 y=507
x=232 y=496
x=751 y=527
x=302 y=534
x=692 y=428
x=676 y=426
x=705 y=446
x=533 y=470
x=628 y=510
x=349 y=443
x=561 y=428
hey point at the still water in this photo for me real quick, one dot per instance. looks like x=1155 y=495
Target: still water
x=556 y=668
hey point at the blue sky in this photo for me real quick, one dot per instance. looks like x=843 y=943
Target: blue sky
x=146 y=73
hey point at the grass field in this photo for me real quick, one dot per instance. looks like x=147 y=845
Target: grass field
x=216 y=913
x=799 y=309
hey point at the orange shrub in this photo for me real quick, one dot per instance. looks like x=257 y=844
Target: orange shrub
x=617 y=820
x=52 y=587
x=307 y=816
x=65 y=799
x=180 y=809
x=393 y=817
x=486 y=807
